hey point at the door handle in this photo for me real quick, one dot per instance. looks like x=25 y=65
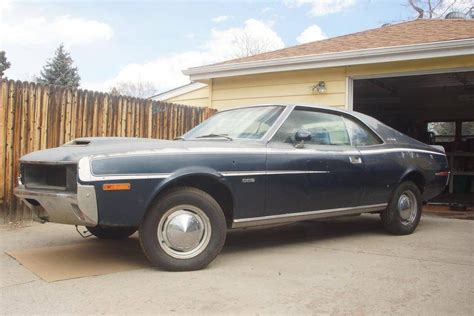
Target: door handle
x=356 y=160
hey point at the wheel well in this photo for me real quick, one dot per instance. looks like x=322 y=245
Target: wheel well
x=417 y=178
x=211 y=186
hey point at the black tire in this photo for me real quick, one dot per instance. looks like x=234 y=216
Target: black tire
x=392 y=219
x=158 y=253
x=111 y=232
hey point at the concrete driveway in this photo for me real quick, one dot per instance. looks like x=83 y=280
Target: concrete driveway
x=343 y=266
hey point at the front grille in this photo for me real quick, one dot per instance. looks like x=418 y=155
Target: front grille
x=50 y=177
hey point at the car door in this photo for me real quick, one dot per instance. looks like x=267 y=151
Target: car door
x=323 y=173
x=381 y=170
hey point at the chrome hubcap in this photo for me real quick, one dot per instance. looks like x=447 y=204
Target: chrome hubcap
x=407 y=207
x=184 y=231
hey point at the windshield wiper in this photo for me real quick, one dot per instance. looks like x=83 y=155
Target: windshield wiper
x=215 y=135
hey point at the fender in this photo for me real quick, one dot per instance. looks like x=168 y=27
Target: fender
x=186 y=172
x=412 y=171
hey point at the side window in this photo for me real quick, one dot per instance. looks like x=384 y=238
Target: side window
x=360 y=135
x=325 y=128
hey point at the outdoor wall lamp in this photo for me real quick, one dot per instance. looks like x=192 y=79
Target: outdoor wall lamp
x=320 y=87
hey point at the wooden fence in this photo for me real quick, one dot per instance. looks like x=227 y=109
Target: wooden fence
x=35 y=116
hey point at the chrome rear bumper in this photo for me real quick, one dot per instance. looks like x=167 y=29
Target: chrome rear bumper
x=62 y=207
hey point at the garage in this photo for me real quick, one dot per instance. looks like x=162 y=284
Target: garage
x=421 y=85
x=435 y=108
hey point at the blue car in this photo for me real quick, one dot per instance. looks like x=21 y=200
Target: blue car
x=251 y=166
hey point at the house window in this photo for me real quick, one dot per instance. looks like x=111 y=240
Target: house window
x=467 y=130
x=444 y=132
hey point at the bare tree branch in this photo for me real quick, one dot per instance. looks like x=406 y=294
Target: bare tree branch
x=248 y=45
x=418 y=9
x=138 y=89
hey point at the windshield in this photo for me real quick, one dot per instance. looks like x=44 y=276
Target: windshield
x=245 y=123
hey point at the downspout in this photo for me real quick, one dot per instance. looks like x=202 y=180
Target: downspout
x=211 y=88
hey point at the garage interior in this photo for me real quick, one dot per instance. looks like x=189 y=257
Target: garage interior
x=435 y=109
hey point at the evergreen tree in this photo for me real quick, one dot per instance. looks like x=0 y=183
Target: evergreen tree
x=4 y=64
x=59 y=70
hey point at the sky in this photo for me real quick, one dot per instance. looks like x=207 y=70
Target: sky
x=112 y=41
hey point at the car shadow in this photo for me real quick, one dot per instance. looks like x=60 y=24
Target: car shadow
x=302 y=232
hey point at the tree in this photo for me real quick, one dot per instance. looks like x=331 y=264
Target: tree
x=435 y=9
x=138 y=89
x=59 y=70
x=4 y=63
x=247 y=44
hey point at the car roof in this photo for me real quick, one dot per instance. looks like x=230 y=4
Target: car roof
x=358 y=115
x=384 y=132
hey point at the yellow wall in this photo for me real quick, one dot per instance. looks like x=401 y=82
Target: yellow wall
x=296 y=86
x=283 y=87
x=199 y=97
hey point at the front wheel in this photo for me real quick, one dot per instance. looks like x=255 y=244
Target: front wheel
x=184 y=230
x=404 y=210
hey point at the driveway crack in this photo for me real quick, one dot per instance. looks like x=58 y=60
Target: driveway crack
x=395 y=256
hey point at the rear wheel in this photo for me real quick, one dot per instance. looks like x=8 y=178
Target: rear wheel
x=404 y=210
x=111 y=232
x=184 y=230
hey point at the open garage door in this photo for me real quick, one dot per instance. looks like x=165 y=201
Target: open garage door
x=433 y=108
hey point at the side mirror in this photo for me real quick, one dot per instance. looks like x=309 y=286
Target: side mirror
x=302 y=136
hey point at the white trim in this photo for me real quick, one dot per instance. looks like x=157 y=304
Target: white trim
x=252 y=151
x=349 y=93
x=89 y=177
x=193 y=86
x=109 y=177
x=296 y=217
x=337 y=59
x=353 y=152
x=402 y=150
x=86 y=175
x=268 y=173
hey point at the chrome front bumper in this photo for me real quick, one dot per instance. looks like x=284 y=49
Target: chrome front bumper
x=62 y=207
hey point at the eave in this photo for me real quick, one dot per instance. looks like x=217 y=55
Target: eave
x=193 y=86
x=338 y=59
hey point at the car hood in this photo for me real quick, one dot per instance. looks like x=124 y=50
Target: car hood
x=108 y=146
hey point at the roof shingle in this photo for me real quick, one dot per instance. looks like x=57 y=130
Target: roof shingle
x=406 y=33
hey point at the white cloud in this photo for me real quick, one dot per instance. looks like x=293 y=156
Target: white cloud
x=30 y=38
x=311 y=34
x=165 y=72
x=227 y=43
x=5 y=5
x=40 y=30
x=220 y=18
x=322 y=7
